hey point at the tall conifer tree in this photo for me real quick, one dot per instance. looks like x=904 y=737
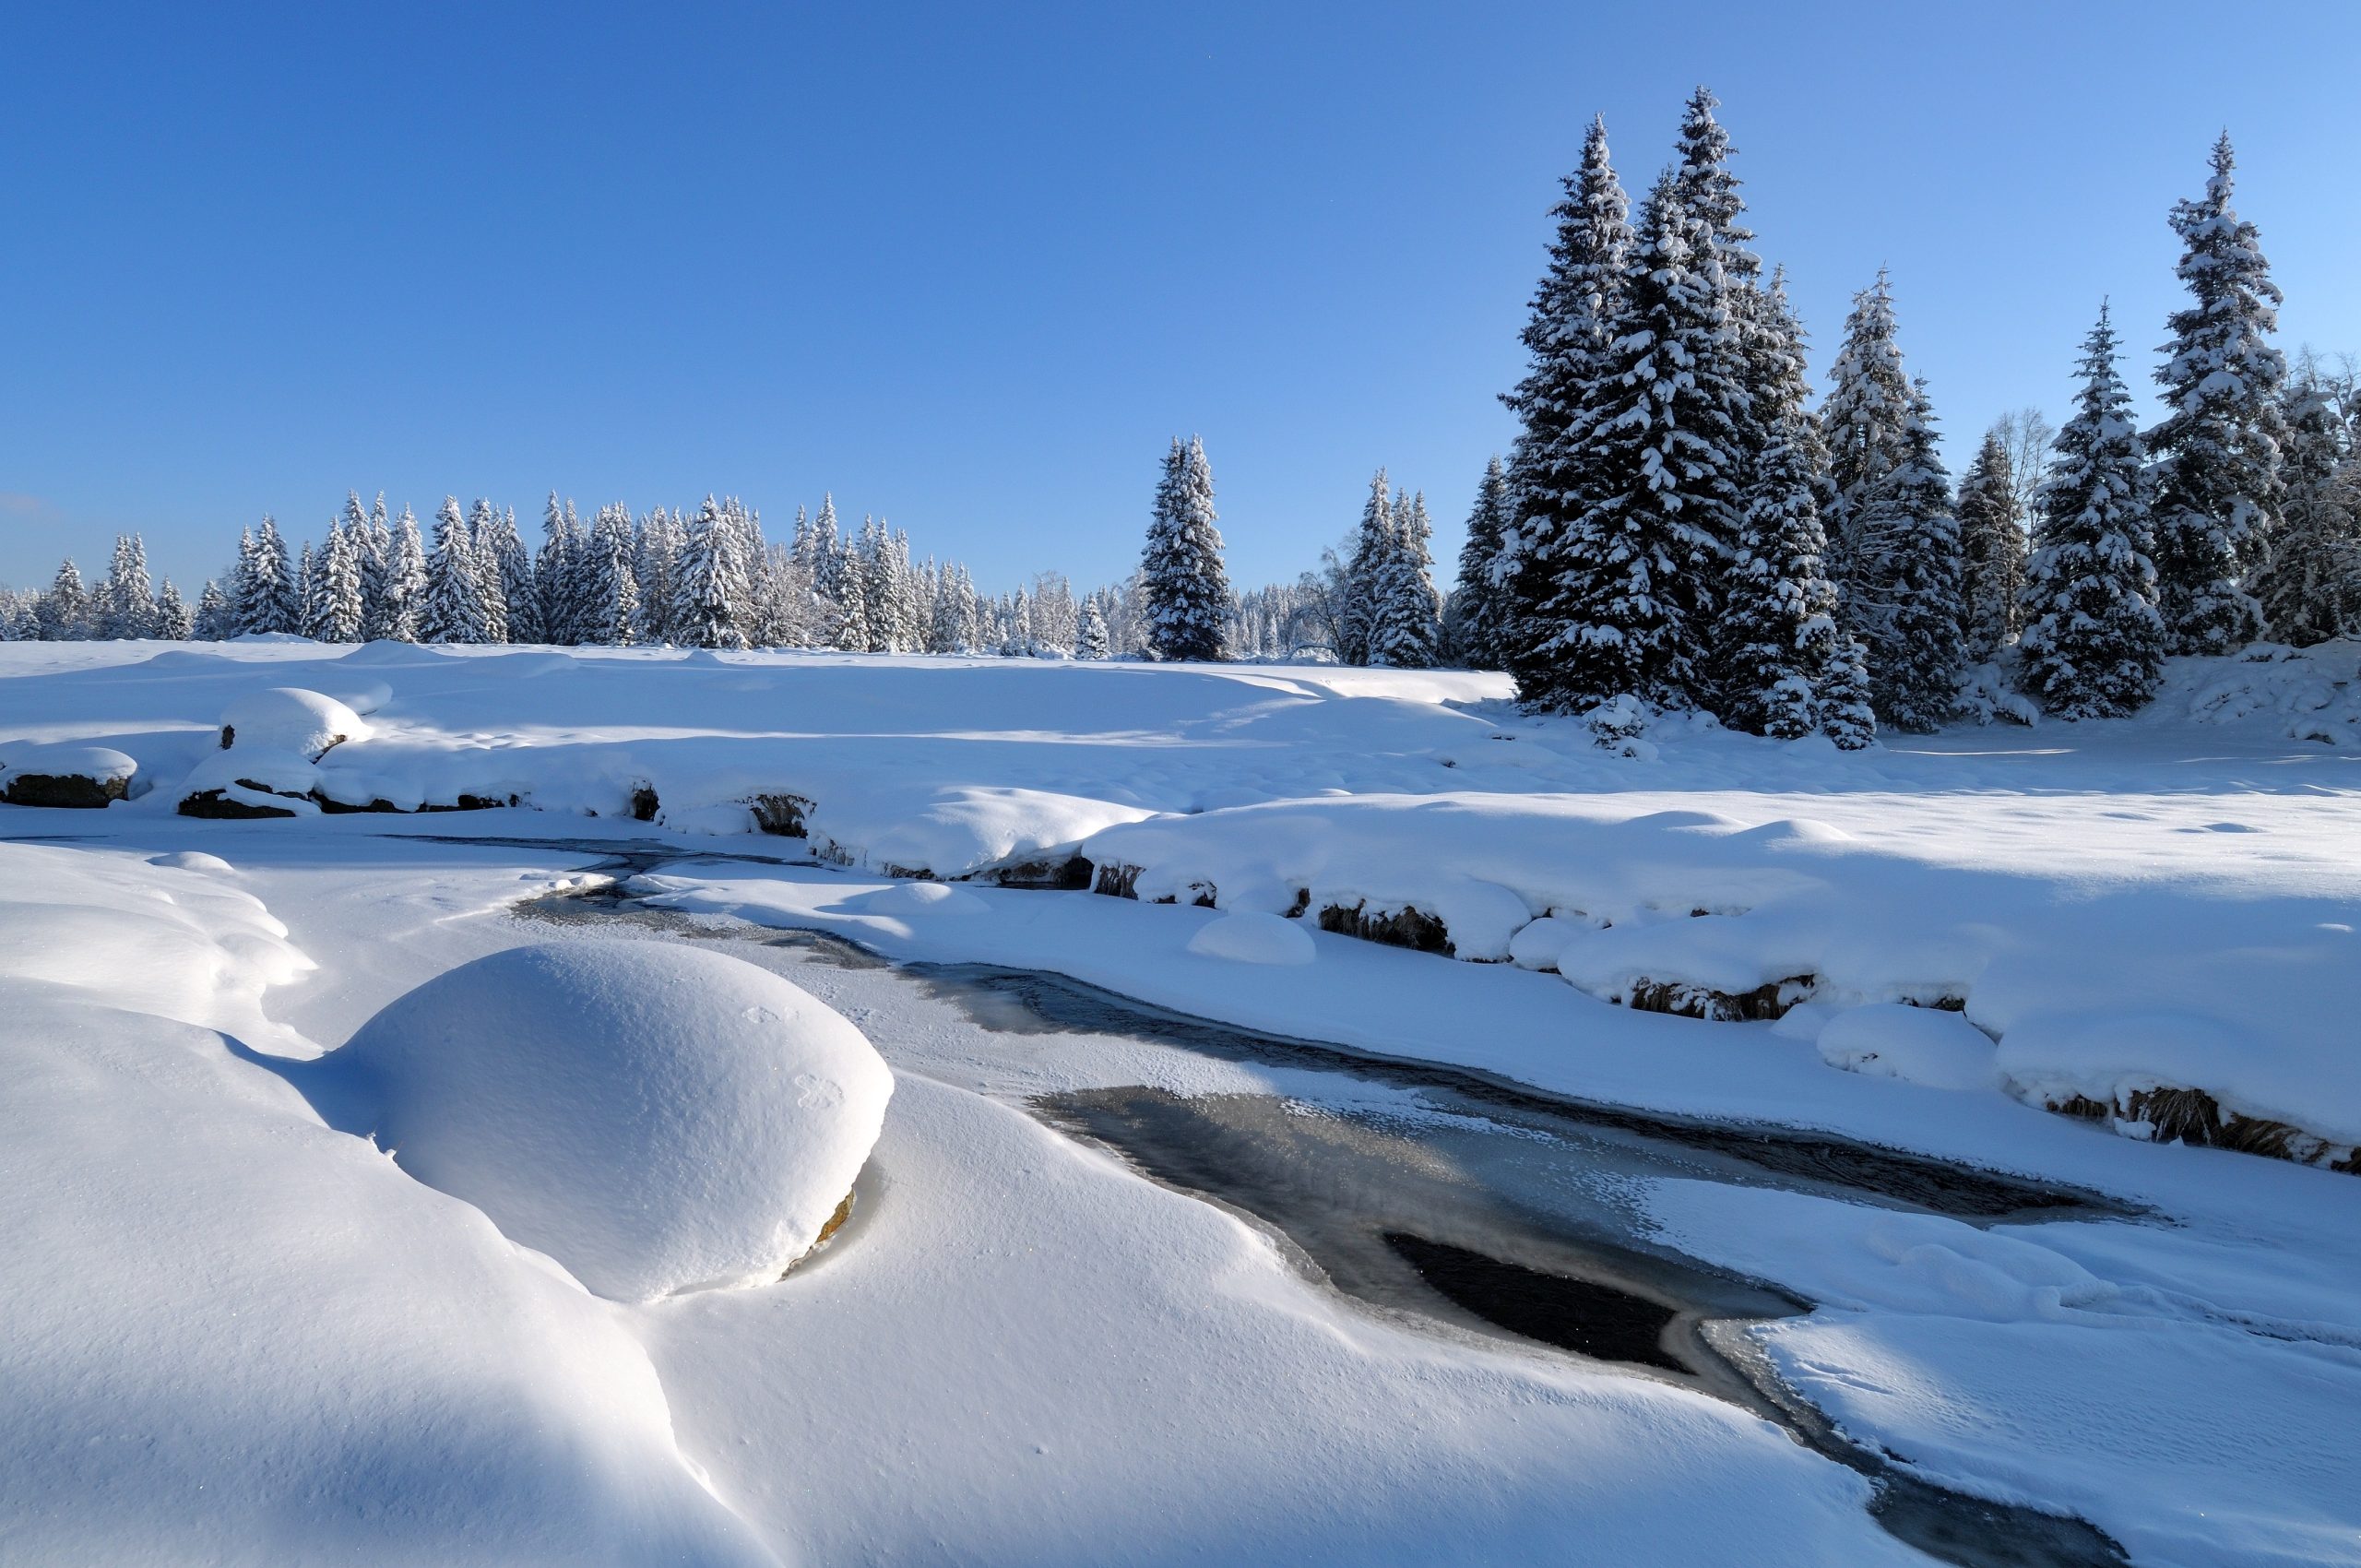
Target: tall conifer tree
x=2094 y=643
x=1479 y=603
x=1992 y=549
x=1188 y=588
x=1628 y=580
x=2311 y=588
x=1551 y=471
x=2217 y=488
x=1783 y=665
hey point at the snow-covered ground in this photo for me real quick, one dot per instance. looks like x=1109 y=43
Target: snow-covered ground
x=236 y=1332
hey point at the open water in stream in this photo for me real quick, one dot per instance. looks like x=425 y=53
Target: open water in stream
x=1441 y=1196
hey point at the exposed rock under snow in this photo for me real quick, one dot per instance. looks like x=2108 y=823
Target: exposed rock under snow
x=64 y=774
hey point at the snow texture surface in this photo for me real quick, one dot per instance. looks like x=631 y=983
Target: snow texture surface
x=657 y=1119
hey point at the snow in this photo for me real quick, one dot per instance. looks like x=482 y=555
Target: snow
x=99 y=764
x=1022 y=1351
x=1920 y=1045
x=908 y=899
x=1249 y=936
x=657 y=1119
x=1997 y=1355
x=289 y=718
x=234 y=1336
x=275 y=779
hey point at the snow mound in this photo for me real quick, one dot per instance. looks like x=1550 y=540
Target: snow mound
x=1920 y=1045
x=289 y=718
x=191 y=859
x=656 y=1118
x=64 y=774
x=101 y=763
x=922 y=899
x=363 y=697
x=1538 y=945
x=1249 y=936
x=254 y=781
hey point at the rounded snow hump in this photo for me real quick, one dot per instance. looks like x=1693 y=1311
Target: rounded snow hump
x=657 y=1118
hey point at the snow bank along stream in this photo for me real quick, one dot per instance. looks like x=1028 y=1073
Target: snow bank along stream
x=1470 y=1204
x=2068 y=914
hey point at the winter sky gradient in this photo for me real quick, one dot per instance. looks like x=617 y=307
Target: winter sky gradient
x=972 y=268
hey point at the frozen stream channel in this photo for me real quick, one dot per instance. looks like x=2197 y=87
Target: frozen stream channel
x=1462 y=1204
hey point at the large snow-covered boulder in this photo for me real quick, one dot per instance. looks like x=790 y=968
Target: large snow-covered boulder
x=657 y=1118
x=292 y=719
x=253 y=781
x=65 y=775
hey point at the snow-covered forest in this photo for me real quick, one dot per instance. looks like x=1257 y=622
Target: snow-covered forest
x=1677 y=526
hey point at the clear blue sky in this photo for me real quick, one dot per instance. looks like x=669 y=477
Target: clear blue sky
x=972 y=266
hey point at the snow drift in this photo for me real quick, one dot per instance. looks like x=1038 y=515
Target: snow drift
x=656 y=1118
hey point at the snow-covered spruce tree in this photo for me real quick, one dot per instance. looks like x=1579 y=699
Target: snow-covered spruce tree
x=705 y=613
x=173 y=622
x=1992 y=549
x=126 y=601
x=216 y=617
x=1782 y=666
x=338 y=587
x=269 y=601
x=824 y=548
x=759 y=615
x=238 y=585
x=852 y=631
x=1473 y=623
x=1864 y=423
x=1551 y=469
x=2310 y=587
x=355 y=519
x=612 y=596
x=1090 y=638
x=307 y=593
x=401 y=595
x=2093 y=643
x=376 y=562
x=909 y=599
x=2217 y=490
x=1372 y=541
x=452 y=611
x=1187 y=587
x=556 y=576
x=1711 y=193
x=490 y=546
x=1626 y=579
x=62 y=614
x=1405 y=626
x=1906 y=596
x=659 y=543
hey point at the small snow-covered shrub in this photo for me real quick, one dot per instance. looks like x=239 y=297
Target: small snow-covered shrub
x=289 y=718
x=1986 y=697
x=1616 y=724
x=657 y=1118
